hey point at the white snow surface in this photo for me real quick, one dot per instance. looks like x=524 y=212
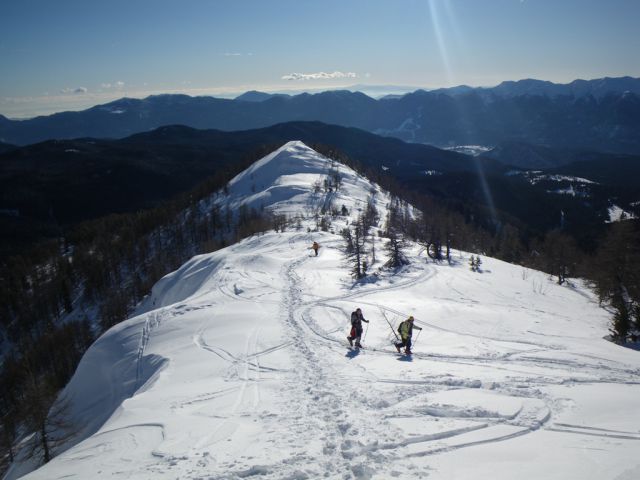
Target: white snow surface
x=473 y=150
x=618 y=214
x=571 y=191
x=237 y=365
x=536 y=176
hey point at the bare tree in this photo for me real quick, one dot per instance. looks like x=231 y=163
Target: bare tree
x=47 y=417
x=560 y=252
x=8 y=434
x=356 y=251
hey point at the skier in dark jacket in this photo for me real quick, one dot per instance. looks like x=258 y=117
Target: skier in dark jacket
x=405 y=329
x=356 y=327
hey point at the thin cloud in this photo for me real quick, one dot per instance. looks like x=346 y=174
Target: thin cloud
x=75 y=91
x=318 y=76
x=116 y=85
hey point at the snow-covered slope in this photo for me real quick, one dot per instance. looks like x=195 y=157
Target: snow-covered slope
x=285 y=180
x=237 y=365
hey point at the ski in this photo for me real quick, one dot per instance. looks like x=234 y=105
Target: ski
x=401 y=352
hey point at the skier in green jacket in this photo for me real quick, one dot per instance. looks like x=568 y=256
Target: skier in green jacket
x=405 y=329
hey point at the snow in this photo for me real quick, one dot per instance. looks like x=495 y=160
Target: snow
x=473 y=150
x=237 y=366
x=571 y=191
x=114 y=110
x=566 y=178
x=283 y=181
x=536 y=176
x=617 y=214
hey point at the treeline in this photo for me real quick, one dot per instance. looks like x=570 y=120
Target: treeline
x=51 y=297
x=616 y=275
x=613 y=268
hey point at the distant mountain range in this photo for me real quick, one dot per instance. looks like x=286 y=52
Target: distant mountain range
x=601 y=114
x=598 y=88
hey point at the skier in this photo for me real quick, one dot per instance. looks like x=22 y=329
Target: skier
x=315 y=247
x=356 y=327
x=405 y=329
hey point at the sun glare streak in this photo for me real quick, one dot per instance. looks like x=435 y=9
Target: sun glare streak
x=436 y=22
x=445 y=31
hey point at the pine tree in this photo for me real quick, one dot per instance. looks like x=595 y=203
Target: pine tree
x=621 y=323
x=357 y=255
x=348 y=238
x=475 y=263
x=395 y=249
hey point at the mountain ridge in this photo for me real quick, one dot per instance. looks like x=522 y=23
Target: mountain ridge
x=604 y=121
x=43 y=182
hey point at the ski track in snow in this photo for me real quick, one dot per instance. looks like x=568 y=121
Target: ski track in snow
x=532 y=420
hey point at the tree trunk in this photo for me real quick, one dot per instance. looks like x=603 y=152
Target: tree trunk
x=45 y=441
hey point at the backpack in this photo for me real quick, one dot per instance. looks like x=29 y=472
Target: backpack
x=401 y=327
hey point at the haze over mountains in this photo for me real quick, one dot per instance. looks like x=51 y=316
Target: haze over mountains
x=601 y=114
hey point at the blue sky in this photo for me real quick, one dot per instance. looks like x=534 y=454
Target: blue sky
x=68 y=54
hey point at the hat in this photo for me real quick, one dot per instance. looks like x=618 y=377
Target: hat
x=411 y=318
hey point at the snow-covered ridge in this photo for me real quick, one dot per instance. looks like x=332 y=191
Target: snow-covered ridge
x=237 y=364
x=618 y=214
x=536 y=176
x=473 y=150
x=291 y=181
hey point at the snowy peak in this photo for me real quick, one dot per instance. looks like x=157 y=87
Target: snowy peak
x=292 y=157
x=296 y=179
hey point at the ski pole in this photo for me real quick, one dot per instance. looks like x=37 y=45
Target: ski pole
x=416 y=340
x=365 y=331
x=390 y=326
